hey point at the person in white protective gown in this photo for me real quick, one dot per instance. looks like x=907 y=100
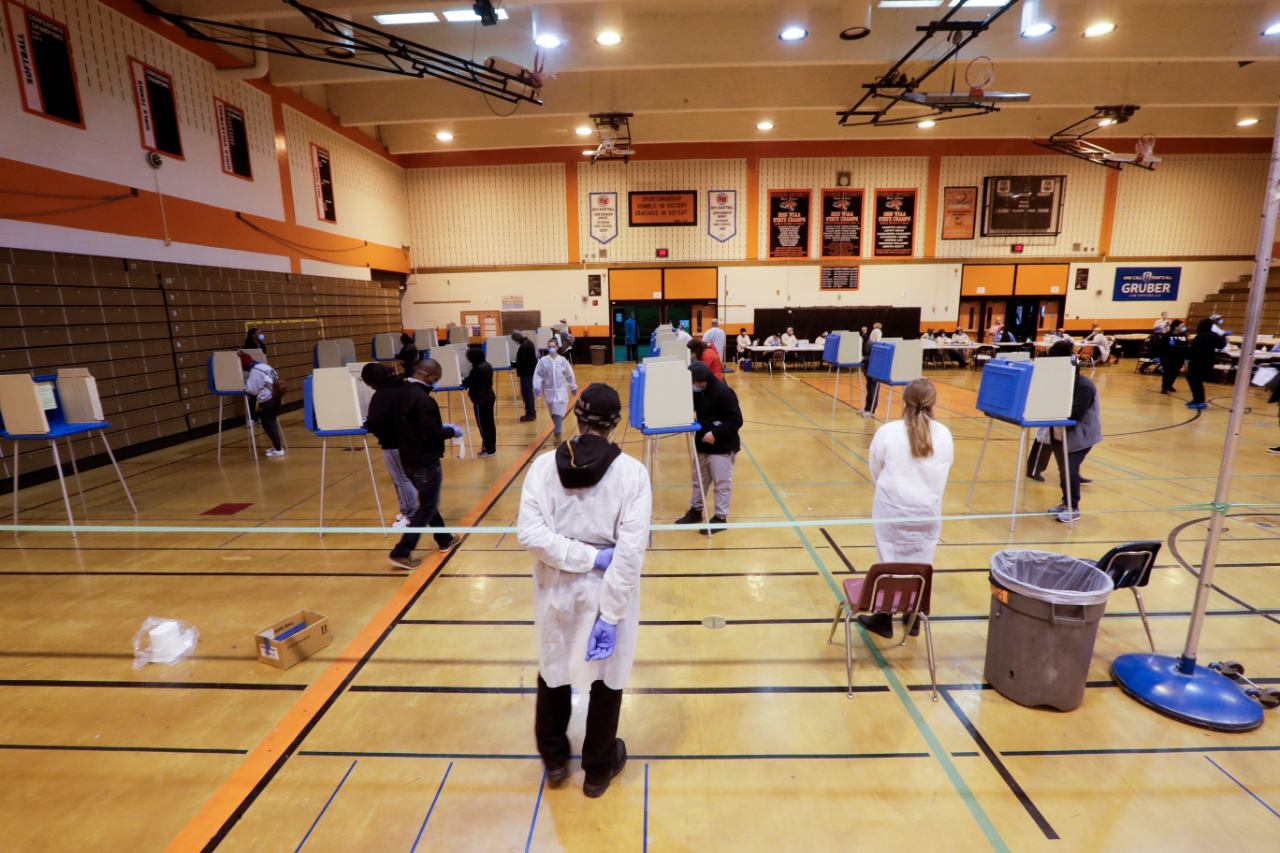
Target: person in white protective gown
x=584 y=515
x=553 y=381
x=910 y=460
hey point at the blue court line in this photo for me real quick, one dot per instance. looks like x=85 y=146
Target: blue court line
x=432 y=808
x=646 y=810
x=537 y=805
x=935 y=746
x=325 y=808
x=1242 y=786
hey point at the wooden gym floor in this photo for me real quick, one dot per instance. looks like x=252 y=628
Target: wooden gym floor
x=414 y=728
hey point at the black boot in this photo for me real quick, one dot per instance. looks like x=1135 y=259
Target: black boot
x=693 y=516
x=596 y=787
x=715 y=519
x=878 y=623
x=915 y=629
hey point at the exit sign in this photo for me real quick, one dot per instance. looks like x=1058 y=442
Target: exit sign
x=661 y=253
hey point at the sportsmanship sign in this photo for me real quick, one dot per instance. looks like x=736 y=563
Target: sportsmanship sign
x=788 y=223
x=1146 y=284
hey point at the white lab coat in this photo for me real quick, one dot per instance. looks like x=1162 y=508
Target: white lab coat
x=564 y=530
x=555 y=377
x=682 y=336
x=875 y=335
x=788 y=340
x=744 y=343
x=715 y=337
x=908 y=487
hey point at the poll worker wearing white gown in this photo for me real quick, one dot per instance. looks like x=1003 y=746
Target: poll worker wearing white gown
x=554 y=382
x=584 y=515
x=715 y=337
x=909 y=460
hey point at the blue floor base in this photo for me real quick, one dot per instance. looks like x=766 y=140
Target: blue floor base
x=1202 y=698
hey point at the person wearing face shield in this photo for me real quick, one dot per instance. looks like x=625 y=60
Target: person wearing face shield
x=584 y=517
x=554 y=382
x=717 y=444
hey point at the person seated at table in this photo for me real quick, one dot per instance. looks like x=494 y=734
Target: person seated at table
x=707 y=354
x=789 y=337
x=744 y=345
x=1100 y=342
x=821 y=340
x=959 y=356
x=993 y=334
x=1003 y=335
x=773 y=341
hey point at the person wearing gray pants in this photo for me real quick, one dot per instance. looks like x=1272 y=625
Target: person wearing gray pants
x=717 y=444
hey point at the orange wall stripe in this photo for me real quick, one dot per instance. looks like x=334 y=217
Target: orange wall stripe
x=931 y=206
x=189 y=221
x=571 y=211
x=1110 y=193
x=753 y=206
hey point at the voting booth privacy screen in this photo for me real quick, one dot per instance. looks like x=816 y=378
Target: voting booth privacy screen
x=896 y=361
x=1027 y=391
x=810 y=322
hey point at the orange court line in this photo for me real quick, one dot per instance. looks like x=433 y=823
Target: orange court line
x=219 y=815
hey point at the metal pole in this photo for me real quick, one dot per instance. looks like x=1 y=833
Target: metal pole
x=1239 y=396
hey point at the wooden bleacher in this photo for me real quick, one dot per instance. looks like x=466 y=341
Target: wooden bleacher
x=1231 y=302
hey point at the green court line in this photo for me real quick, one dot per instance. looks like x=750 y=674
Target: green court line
x=935 y=746
x=787 y=402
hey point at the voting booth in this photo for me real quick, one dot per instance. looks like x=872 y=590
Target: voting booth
x=894 y=362
x=385 y=347
x=498 y=351
x=450 y=358
x=842 y=350
x=364 y=394
x=331 y=408
x=226 y=379
x=660 y=403
x=425 y=339
x=50 y=407
x=541 y=337
x=335 y=353
x=457 y=334
x=1029 y=395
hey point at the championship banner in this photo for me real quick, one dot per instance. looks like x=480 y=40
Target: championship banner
x=322 y=178
x=153 y=95
x=895 y=223
x=959 y=212
x=42 y=55
x=722 y=214
x=603 y=216
x=788 y=223
x=233 y=139
x=1146 y=284
x=841 y=223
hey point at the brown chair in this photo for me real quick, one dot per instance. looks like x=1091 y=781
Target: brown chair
x=893 y=588
x=778 y=357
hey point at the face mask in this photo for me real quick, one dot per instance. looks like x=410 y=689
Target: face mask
x=699 y=388
x=551 y=350
x=262 y=337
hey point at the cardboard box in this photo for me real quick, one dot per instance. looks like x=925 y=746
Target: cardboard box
x=301 y=635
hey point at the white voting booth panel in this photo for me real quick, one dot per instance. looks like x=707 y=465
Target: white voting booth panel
x=20 y=405
x=542 y=337
x=850 y=351
x=348 y=349
x=363 y=392
x=1053 y=383
x=450 y=369
x=227 y=373
x=335 y=399
x=908 y=359
x=457 y=334
x=78 y=392
x=668 y=394
x=328 y=354
x=1017 y=355
x=497 y=351
x=385 y=346
x=464 y=366
x=255 y=354
x=425 y=339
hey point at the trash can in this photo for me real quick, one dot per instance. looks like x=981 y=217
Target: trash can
x=1045 y=610
x=597 y=354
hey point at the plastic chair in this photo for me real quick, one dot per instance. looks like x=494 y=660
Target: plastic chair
x=778 y=357
x=893 y=588
x=1129 y=567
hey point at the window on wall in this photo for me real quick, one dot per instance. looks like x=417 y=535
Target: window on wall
x=233 y=139
x=41 y=49
x=156 y=101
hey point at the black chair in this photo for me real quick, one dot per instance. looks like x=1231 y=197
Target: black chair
x=1129 y=567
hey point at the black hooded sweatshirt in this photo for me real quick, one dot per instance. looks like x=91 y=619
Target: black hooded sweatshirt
x=583 y=460
x=718 y=413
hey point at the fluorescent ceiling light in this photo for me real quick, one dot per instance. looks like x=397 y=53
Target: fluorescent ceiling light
x=1098 y=29
x=550 y=41
x=1246 y=122
x=793 y=33
x=587 y=152
x=393 y=18
x=466 y=16
x=1106 y=122
x=1273 y=30
x=582 y=130
x=1036 y=30
x=980 y=4
x=609 y=38
x=764 y=125
x=444 y=136
x=926 y=124
x=908 y=4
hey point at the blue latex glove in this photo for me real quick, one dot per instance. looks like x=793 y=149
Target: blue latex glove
x=603 y=638
x=457 y=431
x=537 y=390
x=603 y=558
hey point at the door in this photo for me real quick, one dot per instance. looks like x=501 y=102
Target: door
x=647 y=319
x=971 y=318
x=679 y=314
x=1023 y=319
x=993 y=311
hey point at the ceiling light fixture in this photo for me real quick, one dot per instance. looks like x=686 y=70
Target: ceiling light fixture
x=588 y=152
x=609 y=38
x=1106 y=122
x=391 y=19
x=582 y=130
x=1246 y=122
x=926 y=124
x=548 y=41
x=793 y=33
x=764 y=125
x=1099 y=29
x=466 y=16
x=1033 y=25
x=1273 y=30
x=1037 y=30
x=444 y=136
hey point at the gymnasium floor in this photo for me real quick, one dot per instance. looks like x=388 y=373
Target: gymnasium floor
x=414 y=728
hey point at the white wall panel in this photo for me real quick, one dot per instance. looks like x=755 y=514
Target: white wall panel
x=558 y=294
x=1199 y=279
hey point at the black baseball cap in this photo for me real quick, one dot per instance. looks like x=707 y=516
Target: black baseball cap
x=599 y=405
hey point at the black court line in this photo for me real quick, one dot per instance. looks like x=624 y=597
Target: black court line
x=1023 y=798
x=180 y=750
x=149 y=685
x=839 y=553
x=502 y=756
x=634 y=691
x=1154 y=750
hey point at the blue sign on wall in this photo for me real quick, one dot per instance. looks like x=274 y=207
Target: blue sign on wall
x=1146 y=284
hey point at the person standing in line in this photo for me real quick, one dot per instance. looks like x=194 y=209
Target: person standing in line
x=526 y=364
x=706 y=354
x=715 y=337
x=1172 y=357
x=1204 y=352
x=584 y=516
x=479 y=385
x=381 y=423
x=1072 y=444
x=910 y=460
x=631 y=337
x=717 y=444
x=408 y=355
x=554 y=381
x=263 y=385
x=253 y=339
x=564 y=339
x=873 y=386
x=421 y=436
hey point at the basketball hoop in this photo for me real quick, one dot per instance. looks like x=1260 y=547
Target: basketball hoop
x=979 y=74
x=1145 y=148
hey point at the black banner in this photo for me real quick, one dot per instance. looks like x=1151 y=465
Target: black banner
x=46 y=74
x=841 y=223
x=1022 y=205
x=233 y=139
x=895 y=223
x=322 y=176
x=788 y=223
x=838 y=278
x=157 y=109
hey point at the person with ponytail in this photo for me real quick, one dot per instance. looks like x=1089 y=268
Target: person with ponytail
x=910 y=460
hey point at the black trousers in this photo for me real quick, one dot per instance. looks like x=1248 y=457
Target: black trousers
x=1169 y=369
x=526 y=393
x=484 y=420
x=551 y=726
x=872 y=385
x=1195 y=380
x=633 y=352
x=1038 y=458
x=427 y=481
x=1070 y=472
x=270 y=412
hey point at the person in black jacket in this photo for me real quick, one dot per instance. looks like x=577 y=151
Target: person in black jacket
x=408 y=355
x=380 y=421
x=1172 y=356
x=526 y=364
x=479 y=385
x=717 y=443
x=253 y=339
x=1204 y=352
x=421 y=436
